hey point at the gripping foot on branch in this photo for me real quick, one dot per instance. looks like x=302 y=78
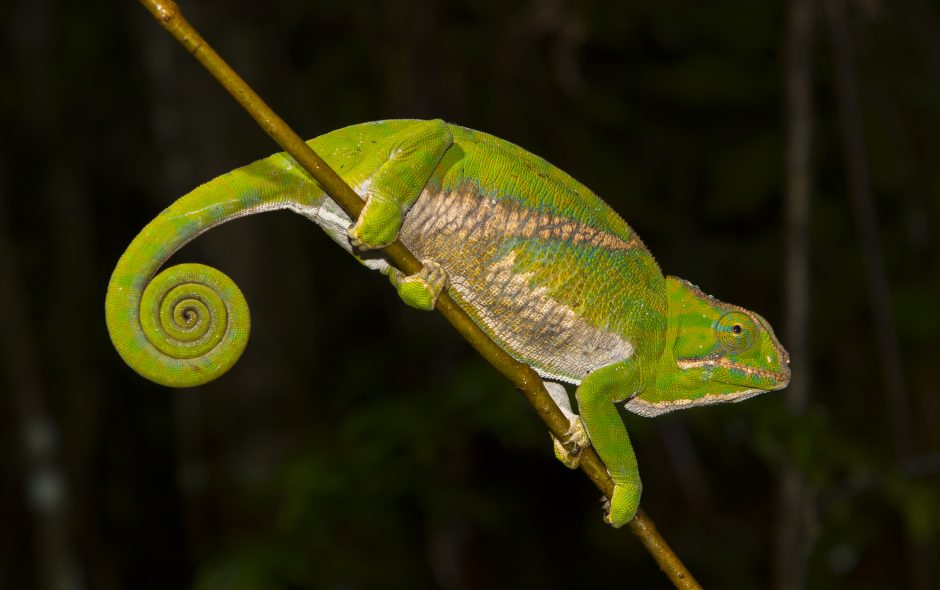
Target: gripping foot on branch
x=421 y=289
x=568 y=450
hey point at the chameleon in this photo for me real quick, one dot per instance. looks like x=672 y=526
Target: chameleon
x=540 y=263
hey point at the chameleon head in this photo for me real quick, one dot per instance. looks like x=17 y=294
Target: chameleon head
x=714 y=352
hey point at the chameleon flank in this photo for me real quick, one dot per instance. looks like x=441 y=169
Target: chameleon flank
x=551 y=273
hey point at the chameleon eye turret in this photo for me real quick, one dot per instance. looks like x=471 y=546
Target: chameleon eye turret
x=735 y=331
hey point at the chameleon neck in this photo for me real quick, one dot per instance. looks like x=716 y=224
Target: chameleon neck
x=190 y=323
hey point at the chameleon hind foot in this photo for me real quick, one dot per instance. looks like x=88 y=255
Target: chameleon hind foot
x=421 y=289
x=577 y=437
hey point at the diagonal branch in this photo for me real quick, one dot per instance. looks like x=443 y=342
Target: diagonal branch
x=522 y=376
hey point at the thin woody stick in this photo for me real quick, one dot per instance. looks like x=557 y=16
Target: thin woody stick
x=522 y=376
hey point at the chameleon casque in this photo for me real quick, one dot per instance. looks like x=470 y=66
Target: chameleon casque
x=551 y=273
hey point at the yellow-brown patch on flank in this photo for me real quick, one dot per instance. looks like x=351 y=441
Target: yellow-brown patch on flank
x=464 y=214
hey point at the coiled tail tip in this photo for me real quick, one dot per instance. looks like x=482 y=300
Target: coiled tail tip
x=188 y=326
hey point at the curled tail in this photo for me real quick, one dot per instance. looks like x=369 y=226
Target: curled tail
x=189 y=324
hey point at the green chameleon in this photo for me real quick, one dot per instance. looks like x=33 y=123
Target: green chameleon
x=552 y=274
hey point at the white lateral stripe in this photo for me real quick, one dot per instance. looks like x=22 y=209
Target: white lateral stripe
x=648 y=409
x=727 y=364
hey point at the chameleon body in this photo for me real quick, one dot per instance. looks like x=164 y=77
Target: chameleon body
x=539 y=262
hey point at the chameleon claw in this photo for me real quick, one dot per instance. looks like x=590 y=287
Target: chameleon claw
x=434 y=275
x=352 y=233
x=568 y=450
x=576 y=434
x=357 y=243
x=570 y=459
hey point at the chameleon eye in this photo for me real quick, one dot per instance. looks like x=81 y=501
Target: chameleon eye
x=735 y=331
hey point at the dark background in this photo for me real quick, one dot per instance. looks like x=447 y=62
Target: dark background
x=361 y=444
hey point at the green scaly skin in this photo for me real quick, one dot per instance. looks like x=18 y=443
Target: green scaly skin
x=541 y=264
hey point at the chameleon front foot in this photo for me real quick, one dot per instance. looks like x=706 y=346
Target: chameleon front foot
x=577 y=439
x=378 y=224
x=421 y=289
x=622 y=506
x=406 y=161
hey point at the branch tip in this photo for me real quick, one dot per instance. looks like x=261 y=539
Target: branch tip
x=165 y=11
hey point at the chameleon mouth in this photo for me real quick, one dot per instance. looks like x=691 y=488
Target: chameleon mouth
x=779 y=378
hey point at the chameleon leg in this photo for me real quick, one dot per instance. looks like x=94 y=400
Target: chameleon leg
x=576 y=435
x=421 y=289
x=413 y=154
x=596 y=396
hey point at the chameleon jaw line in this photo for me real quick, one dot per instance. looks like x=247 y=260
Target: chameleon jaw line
x=781 y=379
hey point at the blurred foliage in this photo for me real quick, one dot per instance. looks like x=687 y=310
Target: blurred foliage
x=360 y=444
